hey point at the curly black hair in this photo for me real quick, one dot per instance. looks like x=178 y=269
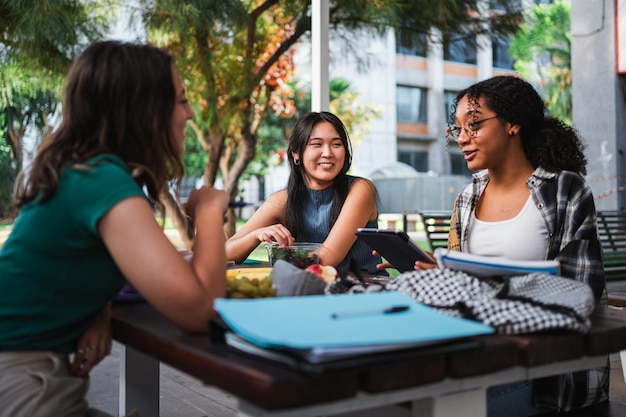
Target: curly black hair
x=548 y=142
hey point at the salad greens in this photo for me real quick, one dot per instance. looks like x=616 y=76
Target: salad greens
x=297 y=256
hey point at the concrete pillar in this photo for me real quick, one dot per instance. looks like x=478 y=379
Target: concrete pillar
x=320 y=81
x=437 y=119
x=599 y=108
x=484 y=51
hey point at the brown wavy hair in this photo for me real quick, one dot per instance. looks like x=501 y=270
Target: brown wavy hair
x=118 y=99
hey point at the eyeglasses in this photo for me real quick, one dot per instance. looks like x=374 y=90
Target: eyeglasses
x=453 y=132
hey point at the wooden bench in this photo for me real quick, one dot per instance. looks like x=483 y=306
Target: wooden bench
x=612 y=230
x=437 y=227
x=407 y=220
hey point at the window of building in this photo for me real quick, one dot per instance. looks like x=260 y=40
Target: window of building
x=513 y=5
x=411 y=43
x=458 y=166
x=448 y=100
x=411 y=104
x=417 y=159
x=500 y=51
x=458 y=48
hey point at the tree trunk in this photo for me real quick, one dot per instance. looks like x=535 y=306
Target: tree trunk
x=230 y=226
x=179 y=219
x=17 y=140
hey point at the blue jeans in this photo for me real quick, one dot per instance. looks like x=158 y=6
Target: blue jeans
x=512 y=400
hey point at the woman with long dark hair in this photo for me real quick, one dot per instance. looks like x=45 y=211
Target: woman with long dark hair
x=321 y=203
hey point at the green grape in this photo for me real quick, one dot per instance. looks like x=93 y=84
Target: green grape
x=250 y=287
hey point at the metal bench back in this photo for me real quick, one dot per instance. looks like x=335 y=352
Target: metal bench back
x=612 y=230
x=437 y=227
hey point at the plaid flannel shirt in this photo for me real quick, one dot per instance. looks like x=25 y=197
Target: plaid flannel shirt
x=566 y=204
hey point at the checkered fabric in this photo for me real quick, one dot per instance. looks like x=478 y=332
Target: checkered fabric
x=511 y=304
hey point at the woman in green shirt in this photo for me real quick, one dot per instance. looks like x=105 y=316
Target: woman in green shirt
x=86 y=226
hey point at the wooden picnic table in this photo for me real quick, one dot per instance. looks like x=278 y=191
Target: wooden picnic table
x=451 y=383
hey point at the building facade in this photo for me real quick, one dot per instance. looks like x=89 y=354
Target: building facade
x=599 y=96
x=414 y=78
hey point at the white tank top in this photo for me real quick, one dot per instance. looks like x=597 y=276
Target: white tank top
x=524 y=237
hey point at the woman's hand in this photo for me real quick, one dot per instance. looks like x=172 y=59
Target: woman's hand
x=275 y=233
x=93 y=345
x=203 y=196
x=384 y=265
x=419 y=265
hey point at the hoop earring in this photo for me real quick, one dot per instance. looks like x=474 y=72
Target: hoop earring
x=296 y=162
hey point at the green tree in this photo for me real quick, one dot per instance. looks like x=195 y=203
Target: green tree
x=38 y=41
x=235 y=57
x=7 y=178
x=25 y=101
x=26 y=104
x=542 y=53
x=48 y=34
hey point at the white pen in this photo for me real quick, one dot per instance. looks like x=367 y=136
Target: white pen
x=386 y=310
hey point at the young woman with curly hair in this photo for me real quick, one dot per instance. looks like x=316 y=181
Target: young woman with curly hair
x=528 y=200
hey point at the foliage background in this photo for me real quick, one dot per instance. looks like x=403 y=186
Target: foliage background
x=542 y=52
x=235 y=57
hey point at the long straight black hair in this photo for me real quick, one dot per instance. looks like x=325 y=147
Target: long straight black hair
x=296 y=186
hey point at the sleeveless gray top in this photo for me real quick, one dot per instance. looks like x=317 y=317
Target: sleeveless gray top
x=316 y=218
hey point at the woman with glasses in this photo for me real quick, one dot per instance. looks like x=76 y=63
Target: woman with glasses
x=528 y=201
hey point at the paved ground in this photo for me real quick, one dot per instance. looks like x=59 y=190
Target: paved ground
x=183 y=396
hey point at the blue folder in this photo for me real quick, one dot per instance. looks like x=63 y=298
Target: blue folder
x=308 y=326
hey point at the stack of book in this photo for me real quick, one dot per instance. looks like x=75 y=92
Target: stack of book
x=486 y=266
x=319 y=333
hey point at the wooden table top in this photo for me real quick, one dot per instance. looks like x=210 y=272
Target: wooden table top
x=275 y=386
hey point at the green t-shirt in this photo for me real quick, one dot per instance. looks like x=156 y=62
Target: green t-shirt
x=55 y=272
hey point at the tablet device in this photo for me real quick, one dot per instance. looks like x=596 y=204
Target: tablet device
x=395 y=246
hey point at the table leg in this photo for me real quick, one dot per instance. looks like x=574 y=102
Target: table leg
x=422 y=407
x=139 y=383
x=468 y=403
x=443 y=399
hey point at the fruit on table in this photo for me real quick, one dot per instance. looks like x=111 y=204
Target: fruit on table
x=327 y=272
x=258 y=273
x=249 y=286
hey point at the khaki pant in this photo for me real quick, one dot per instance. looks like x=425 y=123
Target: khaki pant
x=38 y=384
